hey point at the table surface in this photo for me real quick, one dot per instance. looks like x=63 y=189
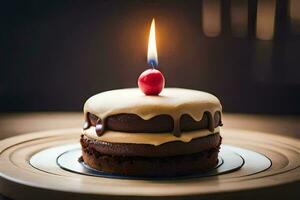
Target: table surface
x=12 y=124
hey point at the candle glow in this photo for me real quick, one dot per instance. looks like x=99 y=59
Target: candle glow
x=151 y=81
x=152 y=51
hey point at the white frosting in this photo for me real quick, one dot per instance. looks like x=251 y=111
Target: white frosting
x=145 y=138
x=172 y=101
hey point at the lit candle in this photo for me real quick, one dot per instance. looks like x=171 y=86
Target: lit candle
x=151 y=81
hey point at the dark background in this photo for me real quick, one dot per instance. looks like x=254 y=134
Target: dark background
x=56 y=54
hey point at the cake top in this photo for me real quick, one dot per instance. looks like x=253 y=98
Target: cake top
x=172 y=101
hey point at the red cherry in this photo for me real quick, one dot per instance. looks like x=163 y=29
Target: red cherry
x=151 y=82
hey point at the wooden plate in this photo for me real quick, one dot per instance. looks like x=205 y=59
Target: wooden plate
x=19 y=180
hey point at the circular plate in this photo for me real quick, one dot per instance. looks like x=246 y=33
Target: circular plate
x=66 y=157
x=19 y=180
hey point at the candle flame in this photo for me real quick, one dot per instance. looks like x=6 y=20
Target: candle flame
x=152 y=51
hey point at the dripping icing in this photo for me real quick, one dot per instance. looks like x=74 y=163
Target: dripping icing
x=173 y=101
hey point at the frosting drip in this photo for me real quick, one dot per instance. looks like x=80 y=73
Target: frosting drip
x=145 y=138
x=174 y=102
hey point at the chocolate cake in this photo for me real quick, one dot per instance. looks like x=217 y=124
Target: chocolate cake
x=128 y=133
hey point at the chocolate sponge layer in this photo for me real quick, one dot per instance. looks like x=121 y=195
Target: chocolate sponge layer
x=146 y=150
x=153 y=167
x=162 y=123
x=169 y=159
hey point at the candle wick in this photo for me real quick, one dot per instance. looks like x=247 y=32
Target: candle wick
x=152 y=65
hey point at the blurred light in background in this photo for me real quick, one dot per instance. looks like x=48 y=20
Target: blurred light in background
x=265 y=19
x=294 y=12
x=55 y=54
x=239 y=18
x=211 y=17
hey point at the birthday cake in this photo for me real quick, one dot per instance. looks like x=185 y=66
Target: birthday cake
x=129 y=133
